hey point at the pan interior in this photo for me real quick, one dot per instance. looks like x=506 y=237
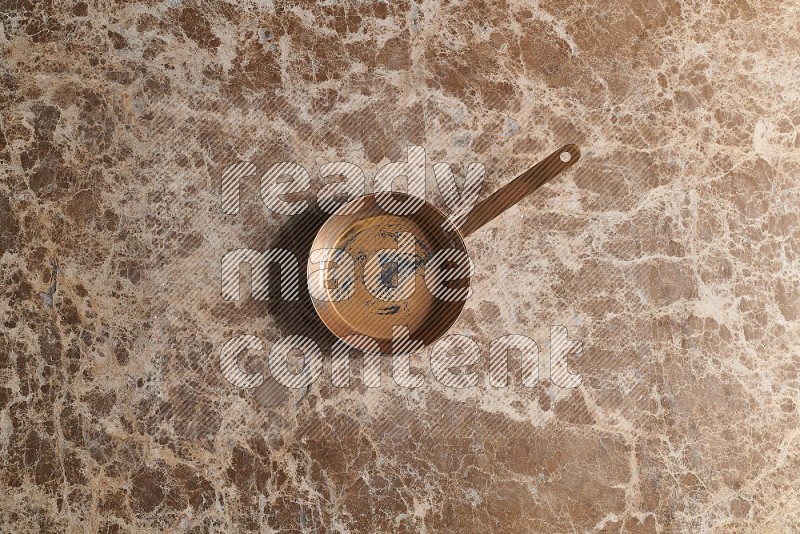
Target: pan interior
x=391 y=254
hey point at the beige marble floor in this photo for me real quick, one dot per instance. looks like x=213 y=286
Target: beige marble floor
x=670 y=252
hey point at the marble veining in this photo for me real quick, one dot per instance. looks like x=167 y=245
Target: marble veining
x=670 y=251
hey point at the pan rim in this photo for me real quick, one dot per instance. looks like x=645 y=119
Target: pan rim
x=448 y=227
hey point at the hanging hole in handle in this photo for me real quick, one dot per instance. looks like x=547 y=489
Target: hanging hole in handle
x=565 y=156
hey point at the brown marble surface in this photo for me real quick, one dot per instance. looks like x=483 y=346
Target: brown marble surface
x=670 y=251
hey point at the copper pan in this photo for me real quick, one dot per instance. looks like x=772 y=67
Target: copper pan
x=368 y=276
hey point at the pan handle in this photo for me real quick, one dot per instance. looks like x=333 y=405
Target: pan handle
x=521 y=186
